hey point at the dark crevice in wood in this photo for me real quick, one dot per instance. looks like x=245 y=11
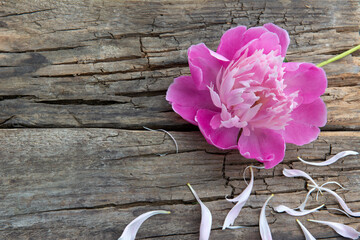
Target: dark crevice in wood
x=44 y=49
x=26 y=13
x=81 y=102
x=114 y=59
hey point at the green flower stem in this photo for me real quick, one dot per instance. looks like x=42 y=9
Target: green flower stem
x=339 y=56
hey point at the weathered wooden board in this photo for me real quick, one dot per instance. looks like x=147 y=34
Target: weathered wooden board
x=89 y=183
x=109 y=63
x=81 y=74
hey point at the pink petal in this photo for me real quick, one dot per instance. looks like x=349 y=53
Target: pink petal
x=313 y=113
x=264 y=145
x=231 y=42
x=300 y=133
x=204 y=65
x=206 y=217
x=268 y=41
x=223 y=138
x=186 y=99
x=307 y=78
x=282 y=34
x=341 y=229
x=292 y=212
x=330 y=160
x=132 y=228
x=306 y=232
x=240 y=202
x=263 y=224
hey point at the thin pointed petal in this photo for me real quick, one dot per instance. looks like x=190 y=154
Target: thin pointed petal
x=241 y=200
x=330 y=160
x=133 y=227
x=206 y=217
x=292 y=212
x=341 y=229
x=302 y=206
x=341 y=202
x=306 y=232
x=298 y=173
x=263 y=224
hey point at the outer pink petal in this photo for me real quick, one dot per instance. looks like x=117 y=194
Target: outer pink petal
x=204 y=65
x=300 y=133
x=265 y=145
x=231 y=42
x=282 y=34
x=223 y=138
x=186 y=99
x=313 y=113
x=268 y=41
x=307 y=78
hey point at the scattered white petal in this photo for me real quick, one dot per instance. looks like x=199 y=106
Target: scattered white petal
x=330 y=160
x=341 y=229
x=263 y=224
x=341 y=202
x=251 y=167
x=133 y=227
x=302 y=206
x=235 y=227
x=163 y=130
x=292 y=212
x=241 y=200
x=331 y=182
x=306 y=232
x=206 y=217
x=337 y=209
x=298 y=173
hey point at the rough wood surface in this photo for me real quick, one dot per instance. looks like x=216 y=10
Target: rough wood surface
x=80 y=79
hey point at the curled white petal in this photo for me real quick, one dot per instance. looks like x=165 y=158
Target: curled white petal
x=241 y=200
x=132 y=228
x=298 y=173
x=341 y=229
x=292 y=212
x=206 y=217
x=171 y=136
x=302 y=206
x=263 y=224
x=330 y=160
x=306 y=232
x=341 y=202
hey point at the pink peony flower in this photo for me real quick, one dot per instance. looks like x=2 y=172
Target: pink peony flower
x=244 y=96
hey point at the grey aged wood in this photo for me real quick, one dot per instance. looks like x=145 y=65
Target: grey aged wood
x=80 y=79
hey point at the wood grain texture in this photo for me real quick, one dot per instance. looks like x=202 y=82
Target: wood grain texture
x=79 y=80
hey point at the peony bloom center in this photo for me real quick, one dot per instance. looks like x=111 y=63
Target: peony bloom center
x=250 y=93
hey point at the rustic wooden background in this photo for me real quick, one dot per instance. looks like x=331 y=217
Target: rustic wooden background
x=80 y=79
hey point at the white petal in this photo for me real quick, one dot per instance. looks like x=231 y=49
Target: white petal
x=331 y=160
x=302 y=206
x=292 y=212
x=298 y=173
x=133 y=227
x=263 y=224
x=341 y=202
x=171 y=136
x=341 y=229
x=306 y=232
x=241 y=200
x=206 y=217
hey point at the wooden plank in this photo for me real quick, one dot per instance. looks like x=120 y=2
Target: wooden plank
x=64 y=64
x=89 y=183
